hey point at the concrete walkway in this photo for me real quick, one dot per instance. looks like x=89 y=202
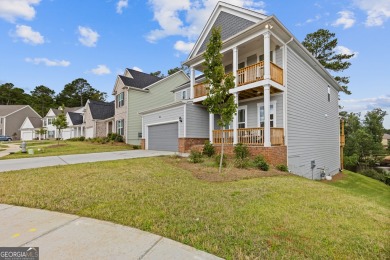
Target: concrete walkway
x=12 y=148
x=64 y=236
x=38 y=162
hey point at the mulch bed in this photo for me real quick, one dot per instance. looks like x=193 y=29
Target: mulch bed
x=229 y=173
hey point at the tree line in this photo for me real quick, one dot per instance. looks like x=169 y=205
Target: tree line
x=42 y=98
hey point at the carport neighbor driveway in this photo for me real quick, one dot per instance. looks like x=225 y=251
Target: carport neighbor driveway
x=38 y=162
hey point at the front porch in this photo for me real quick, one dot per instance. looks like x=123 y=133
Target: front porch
x=248 y=136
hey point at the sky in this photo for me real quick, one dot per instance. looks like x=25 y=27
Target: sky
x=53 y=42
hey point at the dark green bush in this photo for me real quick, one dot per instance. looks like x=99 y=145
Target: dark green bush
x=241 y=151
x=208 y=149
x=351 y=162
x=115 y=137
x=242 y=163
x=218 y=160
x=377 y=174
x=136 y=147
x=81 y=138
x=195 y=157
x=260 y=163
x=282 y=167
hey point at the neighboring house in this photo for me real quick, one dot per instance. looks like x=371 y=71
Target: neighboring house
x=29 y=128
x=52 y=131
x=385 y=140
x=75 y=125
x=12 y=118
x=126 y=84
x=98 y=118
x=287 y=101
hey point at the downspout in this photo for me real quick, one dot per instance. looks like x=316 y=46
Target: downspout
x=285 y=97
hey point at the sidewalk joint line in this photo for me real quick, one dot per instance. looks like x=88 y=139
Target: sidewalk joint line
x=63 y=160
x=147 y=251
x=51 y=230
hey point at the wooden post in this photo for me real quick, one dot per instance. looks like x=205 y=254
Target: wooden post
x=342 y=144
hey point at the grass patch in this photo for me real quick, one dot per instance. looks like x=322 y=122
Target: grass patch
x=274 y=217
x=51 y=148
x=3 y=146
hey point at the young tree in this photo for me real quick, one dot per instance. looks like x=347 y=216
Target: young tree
x=41 y=132
x=60 y=123
x=219 y=101
x=322 y=44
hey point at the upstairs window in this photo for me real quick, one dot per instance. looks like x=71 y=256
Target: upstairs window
x=328 y=94
x=49 y=121
x=120 y=127
x=184 y=94
x=120 y=99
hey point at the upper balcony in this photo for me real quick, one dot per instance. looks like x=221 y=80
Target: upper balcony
x=246 y=75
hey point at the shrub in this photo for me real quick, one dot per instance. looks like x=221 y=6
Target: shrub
x=195 y=157
x=377 y=174
x=218 y=160
x=82 y=138
x=242 y=163
x=115 y=137
x=208 y=149
x=260 y=163
x=241 y=151
x=136 y=147
x=351 y=162
x=282 y=167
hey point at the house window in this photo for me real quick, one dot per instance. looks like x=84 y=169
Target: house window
x=120 y=99
x=229 y=68
x=50 y=134
x=271 y=56
x=49 y=121
x=251 y=60
x=328 y=94
x=119 y=127
x=44 y=123
x=184 y=94
x=241 y=65
x=272 y=114
x=241 y=117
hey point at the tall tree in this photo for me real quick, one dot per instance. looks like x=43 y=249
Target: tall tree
x=11 y=95
x=42 y=99
x=78 y=92
x=219 y=101
x=373 y=122
x=322 y=45
x=60 y=123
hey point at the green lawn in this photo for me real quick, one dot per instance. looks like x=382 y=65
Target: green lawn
x=268 y=217
x=50 y=148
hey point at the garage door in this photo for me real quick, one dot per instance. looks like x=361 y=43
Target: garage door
x=163 y=137
x=27 y=136
x=66 y=134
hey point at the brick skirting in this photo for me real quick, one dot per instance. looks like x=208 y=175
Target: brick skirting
x=185 y=144
x=142 y=144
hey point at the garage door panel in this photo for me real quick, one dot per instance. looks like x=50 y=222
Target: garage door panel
x=163 y=137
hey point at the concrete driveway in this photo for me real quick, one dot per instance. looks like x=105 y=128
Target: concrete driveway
x=38 y=162
x=64 y=236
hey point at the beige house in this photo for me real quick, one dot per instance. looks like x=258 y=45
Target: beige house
x=12 y=118
x=385 y=140
x=98 y=118
x=29 y=128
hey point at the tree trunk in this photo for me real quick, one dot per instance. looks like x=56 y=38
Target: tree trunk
x=223 y=141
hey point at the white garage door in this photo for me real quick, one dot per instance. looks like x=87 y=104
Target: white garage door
x=163 y=137
x=27 y=135
x=66 y=134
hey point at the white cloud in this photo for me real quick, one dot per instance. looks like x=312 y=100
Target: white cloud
x=101 y=70
x=310 y=20
x=184 y=47
x=358 y=105
x=137 y=69
x=346 y=19
x=10 y=10
x=27 y=34
x=378 y=11
x=344 y=50
x=187 y=18
x=47 y=62
x=88 y=37
x=120 y=5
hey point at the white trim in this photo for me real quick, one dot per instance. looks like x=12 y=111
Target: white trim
x=161 y=110
x=285 y=79
x=160 y=123
x=244 y=107
x=257 y=84
x=259 y=97
x=261 y=104
x=184 y=121
x=166 y=78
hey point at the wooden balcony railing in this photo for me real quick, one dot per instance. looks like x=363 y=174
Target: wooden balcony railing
x=227 y=135
x=249 y=136
x=250 y=74
x=276 y=73
x=200 y=90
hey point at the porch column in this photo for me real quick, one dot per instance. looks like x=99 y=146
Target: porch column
x=267 y=58
x=211 y=127
x=235 y=121
x=267 y=128
x=235 y=64
x=192 y=82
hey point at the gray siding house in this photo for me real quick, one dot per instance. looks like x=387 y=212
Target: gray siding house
x=287 y=102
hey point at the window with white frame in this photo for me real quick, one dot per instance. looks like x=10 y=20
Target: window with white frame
x=328 y=93
x=49 y=121
x=120 y=99
x=242 y=117
x=184 y=94
x=120 y=127
x=271 y=56
x=272 y=114
x=44 y=122
x=50 y=134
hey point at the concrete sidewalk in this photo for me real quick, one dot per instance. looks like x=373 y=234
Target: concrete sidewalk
x=12 y=148
x=64 y=236
x=38 y=162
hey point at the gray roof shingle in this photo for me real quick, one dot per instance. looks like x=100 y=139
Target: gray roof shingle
x=8 y=109
x=139 y=80
x=102 y=110
x=76 y=118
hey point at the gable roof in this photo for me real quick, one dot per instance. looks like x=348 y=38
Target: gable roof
x=101 y=110
x=232 y=20
x=76 y=118
x=66 y=110
x=139 y=79
x=5 y=110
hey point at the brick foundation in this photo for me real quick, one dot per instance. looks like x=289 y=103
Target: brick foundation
x=185 y=144
x=273 y=155
x=142 y=144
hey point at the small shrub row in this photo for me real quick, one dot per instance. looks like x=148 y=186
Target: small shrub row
x=260 y=163
x=377 y=174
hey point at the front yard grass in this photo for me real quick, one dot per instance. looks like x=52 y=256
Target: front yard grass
x=267 y=217
x=51 y=148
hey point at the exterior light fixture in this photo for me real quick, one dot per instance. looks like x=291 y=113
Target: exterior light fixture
x=268 y=26
x=180 y=119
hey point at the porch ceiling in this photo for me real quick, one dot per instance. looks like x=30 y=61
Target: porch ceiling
x=256 y=92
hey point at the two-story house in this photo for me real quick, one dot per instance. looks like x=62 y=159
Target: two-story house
x=287 y=101
x=47 y=122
